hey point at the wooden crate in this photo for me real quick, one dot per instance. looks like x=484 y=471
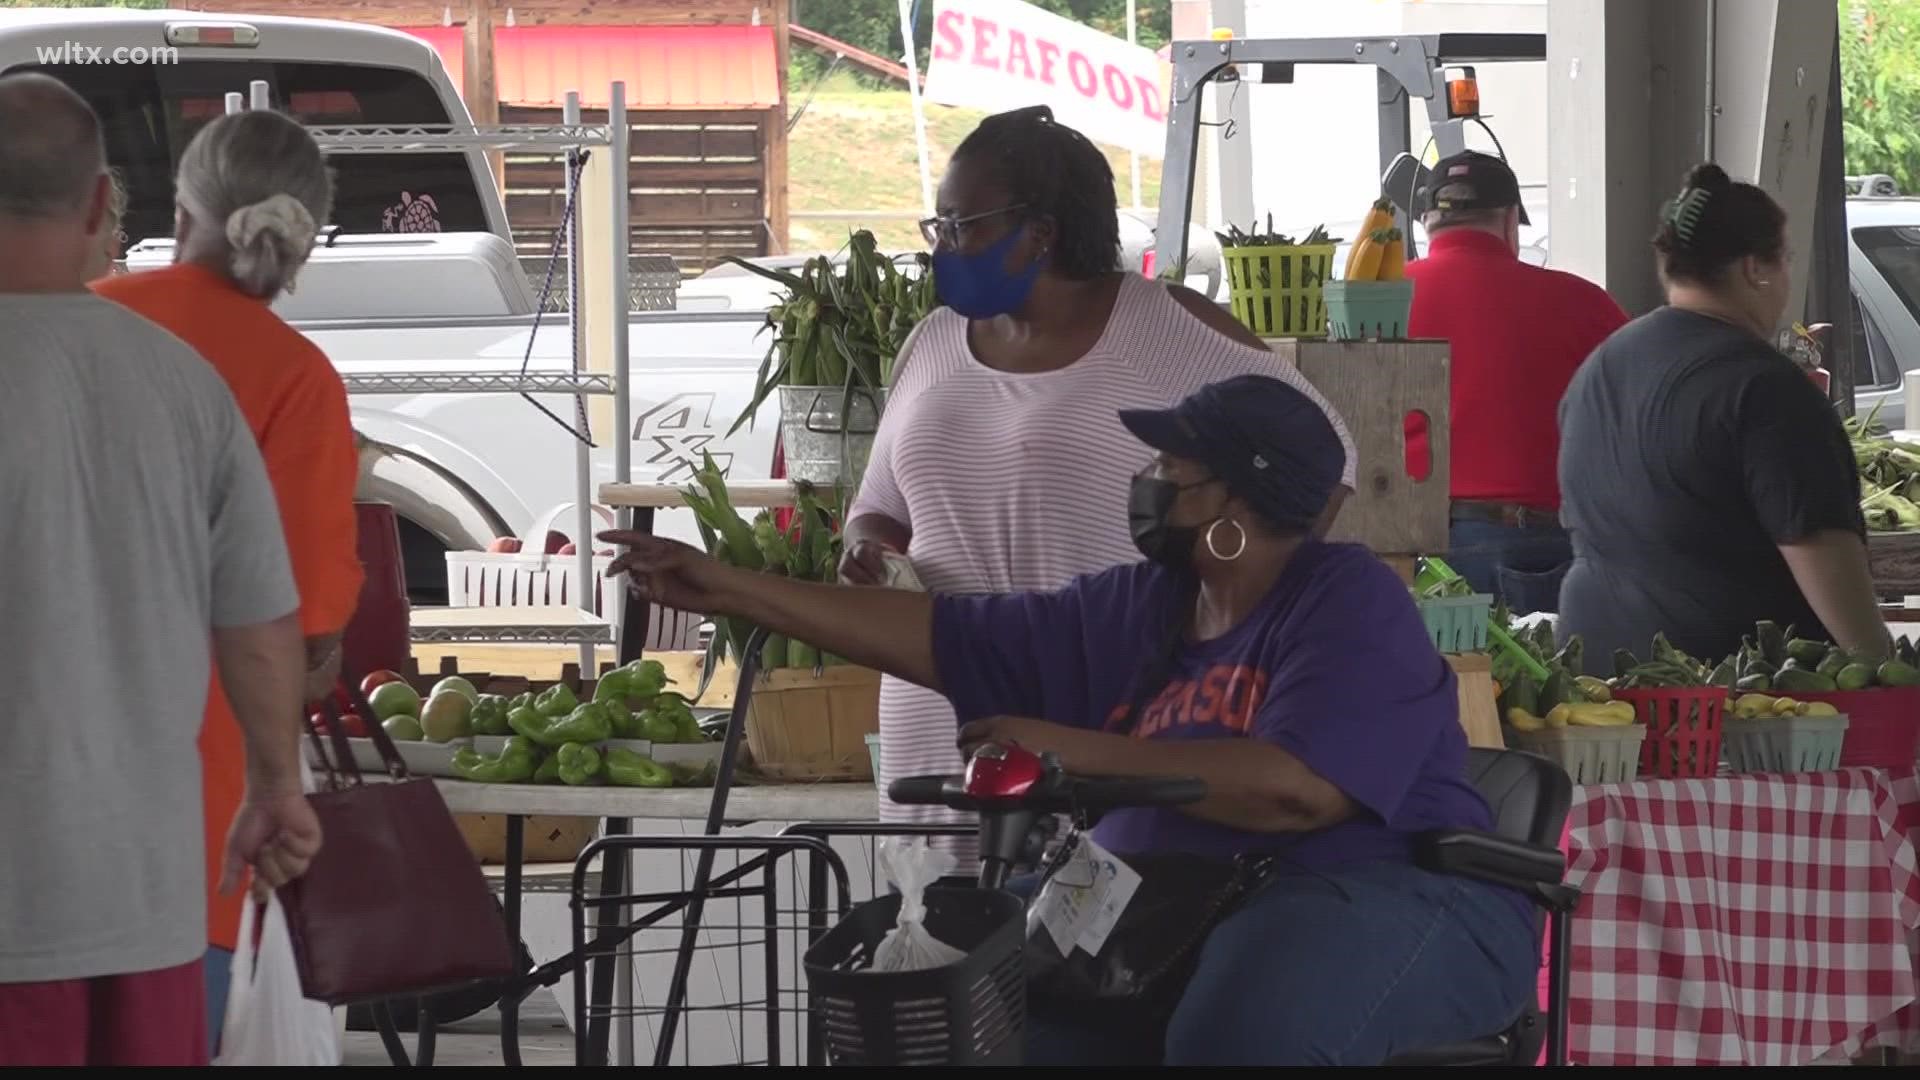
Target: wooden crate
x=1375 y=385
x=802 y=727
x=1479 y=706
x=543 y=838
x=1894 y=560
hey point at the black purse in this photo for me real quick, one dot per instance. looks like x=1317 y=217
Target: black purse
x=1150 y=955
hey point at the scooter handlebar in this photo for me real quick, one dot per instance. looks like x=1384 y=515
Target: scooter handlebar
x=1091 y=794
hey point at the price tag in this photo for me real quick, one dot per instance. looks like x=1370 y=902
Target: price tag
x=1082 y=902
x=1114 y=885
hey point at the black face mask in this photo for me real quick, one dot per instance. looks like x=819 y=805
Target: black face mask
x=1149 y=503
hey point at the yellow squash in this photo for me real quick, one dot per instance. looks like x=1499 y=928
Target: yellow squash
x=1522 y=720
x=1368 y=255
x=1393 y=265
x=1379 y=216
x=1611 y=714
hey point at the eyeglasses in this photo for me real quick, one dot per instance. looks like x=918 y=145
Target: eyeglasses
x=946 y=230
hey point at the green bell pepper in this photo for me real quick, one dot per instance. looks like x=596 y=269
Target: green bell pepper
x=528 y=724
x=586 y=724
x=613 y=686
x=490 y=716
x=628 y=769
x=658 y=727
x=520 y=701
x=512 y=765
x=641 y=679
x=626 y=722
x=670 y=720
x=645 y=678
x=579 y=764
x=549 y=770
x=557 y=701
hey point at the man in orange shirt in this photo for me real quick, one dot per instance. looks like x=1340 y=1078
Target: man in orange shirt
x=252 y=190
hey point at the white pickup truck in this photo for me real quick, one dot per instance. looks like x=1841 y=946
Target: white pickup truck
x=460 y=469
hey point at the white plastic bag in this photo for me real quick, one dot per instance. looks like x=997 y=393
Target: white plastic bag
x=900 y=573
x=269 y=1021
x=912 y=866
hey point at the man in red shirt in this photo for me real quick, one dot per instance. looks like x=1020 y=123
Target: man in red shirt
x=1518 y=332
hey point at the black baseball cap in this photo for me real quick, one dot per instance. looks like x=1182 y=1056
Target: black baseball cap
x=1274 y=446
x=1472 y=181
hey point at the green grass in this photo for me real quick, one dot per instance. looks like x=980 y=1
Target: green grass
x=854 y=150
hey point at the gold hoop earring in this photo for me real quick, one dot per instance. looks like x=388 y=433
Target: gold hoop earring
x=1213 y=548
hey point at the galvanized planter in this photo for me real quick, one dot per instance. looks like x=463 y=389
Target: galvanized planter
x=827 y=435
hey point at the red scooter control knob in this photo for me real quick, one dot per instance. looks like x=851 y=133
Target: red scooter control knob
x=1003 y=771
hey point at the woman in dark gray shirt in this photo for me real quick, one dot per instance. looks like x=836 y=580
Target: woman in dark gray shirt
x=1708 y=484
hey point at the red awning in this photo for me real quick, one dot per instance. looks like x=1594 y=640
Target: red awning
x=664 y=67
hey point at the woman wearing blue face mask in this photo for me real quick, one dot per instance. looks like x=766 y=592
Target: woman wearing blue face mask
x=1000 y=457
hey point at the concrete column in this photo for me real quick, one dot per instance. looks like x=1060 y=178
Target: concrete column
x=1598 y=93
x=1639 y=75
x=1787 y=142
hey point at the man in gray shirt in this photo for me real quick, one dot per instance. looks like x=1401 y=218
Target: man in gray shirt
x=139 y=541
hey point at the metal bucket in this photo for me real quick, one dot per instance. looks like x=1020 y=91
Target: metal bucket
x=821 y=445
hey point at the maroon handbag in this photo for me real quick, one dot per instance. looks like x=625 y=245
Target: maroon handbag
x=395 y=905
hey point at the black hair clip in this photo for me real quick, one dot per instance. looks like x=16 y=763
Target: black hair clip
x=1684 y=213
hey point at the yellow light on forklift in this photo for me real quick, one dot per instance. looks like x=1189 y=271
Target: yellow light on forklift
x=1223 y=33
x=212 y=35
x=1463 y=93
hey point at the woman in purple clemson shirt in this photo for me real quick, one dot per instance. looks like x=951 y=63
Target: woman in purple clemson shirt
x=1293 y=676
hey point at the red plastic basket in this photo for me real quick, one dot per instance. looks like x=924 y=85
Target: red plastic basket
x=1683 y=730
x=1883 y=725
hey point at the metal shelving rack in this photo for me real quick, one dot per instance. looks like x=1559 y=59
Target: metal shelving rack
x=571 y=136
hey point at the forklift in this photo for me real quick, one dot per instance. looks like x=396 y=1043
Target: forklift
x=1436 y=68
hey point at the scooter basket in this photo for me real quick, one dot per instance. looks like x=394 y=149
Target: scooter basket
x=972 y=1012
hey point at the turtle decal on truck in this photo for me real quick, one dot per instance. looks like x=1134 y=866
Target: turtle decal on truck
x=413 y=214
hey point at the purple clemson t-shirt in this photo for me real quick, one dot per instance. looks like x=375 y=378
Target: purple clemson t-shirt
x=1335 y=666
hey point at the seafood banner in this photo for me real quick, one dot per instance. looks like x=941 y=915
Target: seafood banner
x=1003 y=54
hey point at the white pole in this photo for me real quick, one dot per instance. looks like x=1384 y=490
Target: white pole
x=618 y=153
x=261 y=102
x=1133 y=156
x=583 y=455
x=919 y=112
x=236 y=102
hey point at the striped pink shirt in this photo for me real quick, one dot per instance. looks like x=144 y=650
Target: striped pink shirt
x=1018 y=482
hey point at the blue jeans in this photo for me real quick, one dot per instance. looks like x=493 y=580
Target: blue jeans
x=1353 y=968
x=1520 y=567
x=219 y=970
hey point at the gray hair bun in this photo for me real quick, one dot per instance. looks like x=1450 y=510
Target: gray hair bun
x=270 y=240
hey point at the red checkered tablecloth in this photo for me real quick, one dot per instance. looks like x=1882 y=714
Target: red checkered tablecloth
x=1745 y=920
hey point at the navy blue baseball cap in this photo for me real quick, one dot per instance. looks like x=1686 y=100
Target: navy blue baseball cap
x=1275 y=448
x=1471 y=180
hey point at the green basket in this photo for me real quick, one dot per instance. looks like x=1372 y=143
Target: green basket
x=1458 y=624
x=1367 y=310
x=1783 y=744
x=1280 y=291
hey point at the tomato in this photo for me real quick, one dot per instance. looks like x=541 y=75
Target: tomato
x=377 y=678
x=350 y=724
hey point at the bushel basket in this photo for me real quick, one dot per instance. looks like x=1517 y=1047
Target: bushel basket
x=969 y=1013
